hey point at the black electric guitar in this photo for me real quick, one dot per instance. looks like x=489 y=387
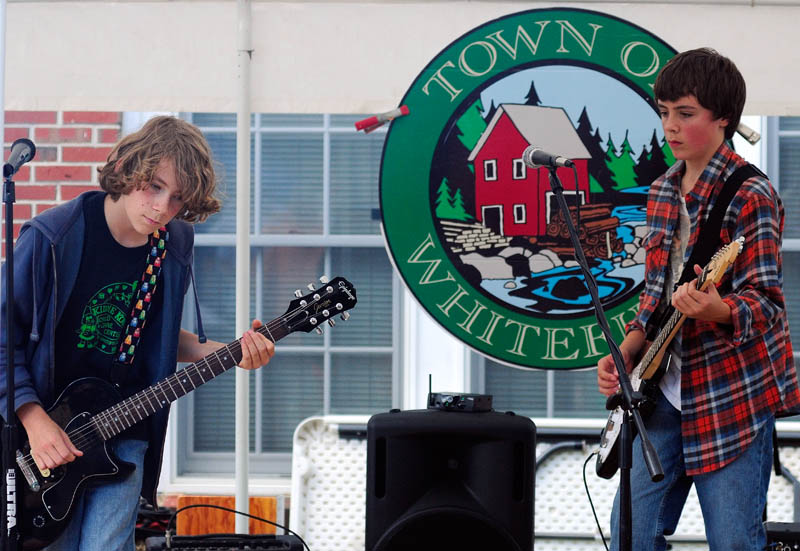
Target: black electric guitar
x=90 y=413
x=654 y=364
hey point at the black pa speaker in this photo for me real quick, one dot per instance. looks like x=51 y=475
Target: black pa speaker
x=450 y=480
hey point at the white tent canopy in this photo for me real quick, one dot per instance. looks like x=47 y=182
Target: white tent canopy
x=338 y=57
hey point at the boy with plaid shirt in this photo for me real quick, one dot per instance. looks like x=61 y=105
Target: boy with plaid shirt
x=732 y=368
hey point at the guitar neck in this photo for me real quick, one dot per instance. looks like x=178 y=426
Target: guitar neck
x=130 y=411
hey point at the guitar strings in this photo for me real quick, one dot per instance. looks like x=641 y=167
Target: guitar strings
x=86 y=435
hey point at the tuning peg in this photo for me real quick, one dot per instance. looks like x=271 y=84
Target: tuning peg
x=345 y=316
x=331 y=322
x=324 y=280
x=298 y=293
x=318 y=330
x=310 y=286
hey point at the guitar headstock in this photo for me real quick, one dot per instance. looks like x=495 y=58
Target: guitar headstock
x=310 y=311
x=720 y=262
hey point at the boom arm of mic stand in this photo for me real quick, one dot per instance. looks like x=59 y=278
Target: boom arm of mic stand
x=630 y=402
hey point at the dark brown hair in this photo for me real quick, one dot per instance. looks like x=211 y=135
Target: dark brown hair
x=134 y=160
x=710 y=77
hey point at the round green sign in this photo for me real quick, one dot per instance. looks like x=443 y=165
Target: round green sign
x=476 y=234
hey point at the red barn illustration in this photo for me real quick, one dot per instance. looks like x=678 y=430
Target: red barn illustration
x=511 y=198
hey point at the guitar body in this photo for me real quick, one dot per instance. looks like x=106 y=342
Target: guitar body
x=92 y=412
x=608 y=454
x=647 y=374
x=45 y=513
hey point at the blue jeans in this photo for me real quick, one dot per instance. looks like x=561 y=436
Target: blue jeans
x=732 y=499
x=104 y=518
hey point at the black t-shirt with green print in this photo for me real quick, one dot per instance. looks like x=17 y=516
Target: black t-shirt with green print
x=98 y=310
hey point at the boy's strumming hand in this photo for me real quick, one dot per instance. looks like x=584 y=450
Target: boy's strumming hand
x=607 y=376
x=704 y=305
x=50 y=445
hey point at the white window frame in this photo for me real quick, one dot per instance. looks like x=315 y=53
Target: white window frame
x=490 y=165
x=520 y=213
x=186 y=464
x=523 y=169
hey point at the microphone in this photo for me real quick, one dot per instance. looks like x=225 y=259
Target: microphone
x=22 y=151
x=536 y=157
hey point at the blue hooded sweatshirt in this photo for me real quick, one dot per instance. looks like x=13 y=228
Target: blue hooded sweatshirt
x=47 y=257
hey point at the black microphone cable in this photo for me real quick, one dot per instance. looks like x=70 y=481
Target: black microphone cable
x=591 y=503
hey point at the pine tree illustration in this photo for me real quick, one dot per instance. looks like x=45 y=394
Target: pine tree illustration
x=444 y=205
x=600 y=177
x=532 y=98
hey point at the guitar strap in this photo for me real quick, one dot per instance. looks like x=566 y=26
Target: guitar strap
x=708 y=240
x=140 y=306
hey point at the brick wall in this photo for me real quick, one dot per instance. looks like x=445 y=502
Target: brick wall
x=70 y=146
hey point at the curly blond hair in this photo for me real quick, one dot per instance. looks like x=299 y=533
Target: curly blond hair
x=134 y=160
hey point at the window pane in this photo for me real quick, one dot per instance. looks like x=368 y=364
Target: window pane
x=791 y=280
x=214 y=119
x=361 y=383
x=523 y=391
x=291 y=183
x=214 y=415
x=290 y=120
x=370 y=272
x=355 y=167
x=223 y=149
x=285 y=270
x=790 y=183
x=348 y=121
x=292 y=386
x=214 y=421
x=789 y=123
x=576 y=395
x=215 y=276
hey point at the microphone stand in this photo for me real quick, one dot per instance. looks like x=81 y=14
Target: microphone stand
x=628 y=400
x=10 y=536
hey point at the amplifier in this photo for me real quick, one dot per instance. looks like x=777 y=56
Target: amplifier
x=226 y=542
x=783 y=536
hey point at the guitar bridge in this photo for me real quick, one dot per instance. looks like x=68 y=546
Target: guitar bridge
x=27 y=472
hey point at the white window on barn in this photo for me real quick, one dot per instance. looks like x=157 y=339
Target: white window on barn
x=490 y=170
x=519 y=214
x=520 y=171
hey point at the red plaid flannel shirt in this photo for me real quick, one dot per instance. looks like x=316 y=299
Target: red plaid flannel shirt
x=733 y=377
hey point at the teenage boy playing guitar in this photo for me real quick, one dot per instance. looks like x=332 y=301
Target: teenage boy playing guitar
x=81 y=270
x=732 y=367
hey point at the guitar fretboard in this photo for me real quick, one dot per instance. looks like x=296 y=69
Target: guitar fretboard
x=665 y=335
x=110 y=422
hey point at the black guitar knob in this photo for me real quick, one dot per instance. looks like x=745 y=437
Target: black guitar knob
x=38 y=521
